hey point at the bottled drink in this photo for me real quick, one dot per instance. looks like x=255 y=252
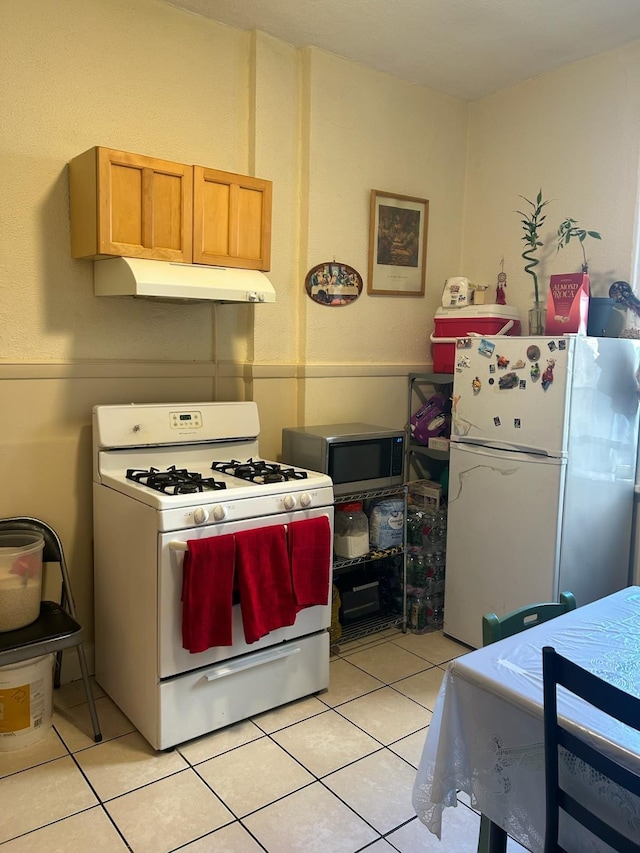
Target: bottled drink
x=437 y=617
x=418 y=612
x=416 y=570
x=414 y=531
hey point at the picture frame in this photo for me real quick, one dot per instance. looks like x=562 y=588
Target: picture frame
x=333 y=284
x=398 y=231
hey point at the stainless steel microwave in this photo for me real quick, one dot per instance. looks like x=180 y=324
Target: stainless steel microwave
x=356 y=456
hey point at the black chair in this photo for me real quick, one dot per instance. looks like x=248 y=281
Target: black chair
x=493 y=839
x=56 y=628
x=557 y=670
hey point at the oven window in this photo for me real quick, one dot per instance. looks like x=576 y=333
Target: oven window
x=359 y=460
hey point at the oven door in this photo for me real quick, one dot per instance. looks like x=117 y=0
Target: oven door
x=173 y=658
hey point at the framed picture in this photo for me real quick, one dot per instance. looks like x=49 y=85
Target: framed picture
x=333 y=283
x=397 y=244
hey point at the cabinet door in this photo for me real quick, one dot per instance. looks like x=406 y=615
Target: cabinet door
x=131 y=205
x=231 y=219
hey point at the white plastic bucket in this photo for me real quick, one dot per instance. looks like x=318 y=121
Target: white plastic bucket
x=26 y=702
x=20 y=578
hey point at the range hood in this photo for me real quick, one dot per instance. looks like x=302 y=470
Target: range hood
x=175 y=282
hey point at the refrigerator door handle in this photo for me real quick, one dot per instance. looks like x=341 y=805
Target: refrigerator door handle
x=505 y=445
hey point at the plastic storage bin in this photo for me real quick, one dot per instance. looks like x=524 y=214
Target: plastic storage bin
x=452 y=323
x=350 y=531
x=26 y=700
x=20 y=578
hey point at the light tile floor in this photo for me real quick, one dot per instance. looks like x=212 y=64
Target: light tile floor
x=331 y=773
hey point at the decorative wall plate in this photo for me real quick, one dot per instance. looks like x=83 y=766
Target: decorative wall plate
x=333 y=283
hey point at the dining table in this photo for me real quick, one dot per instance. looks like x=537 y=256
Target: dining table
x=486 y=734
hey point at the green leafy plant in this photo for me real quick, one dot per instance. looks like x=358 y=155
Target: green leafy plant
x=532 y=221
x=567 y=230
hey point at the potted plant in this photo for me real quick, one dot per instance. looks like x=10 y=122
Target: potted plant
x=532 y=221
x=567 y=230
x=599 y=310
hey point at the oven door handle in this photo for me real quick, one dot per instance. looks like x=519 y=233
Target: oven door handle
x=256 y=659
x=175 y=545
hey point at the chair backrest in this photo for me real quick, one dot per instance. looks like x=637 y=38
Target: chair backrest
x=619 y=705
x=495 y=628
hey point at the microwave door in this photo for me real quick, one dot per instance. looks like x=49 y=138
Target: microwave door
x=368 y=464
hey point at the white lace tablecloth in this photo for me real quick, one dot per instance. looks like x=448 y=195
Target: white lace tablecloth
x=486 y=733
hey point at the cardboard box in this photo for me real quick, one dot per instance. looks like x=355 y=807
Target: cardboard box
x=452 y=323
x=567 y=304
x=439 y=444
x=425 y=494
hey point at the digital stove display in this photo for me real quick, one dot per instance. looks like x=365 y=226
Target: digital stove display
x=259 y=472
x=174 y=481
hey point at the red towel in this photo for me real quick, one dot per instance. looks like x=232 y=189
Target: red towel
x=264 y=581
x=207 y=593
x=310 y=558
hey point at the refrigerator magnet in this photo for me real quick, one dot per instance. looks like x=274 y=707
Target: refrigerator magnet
x=523 y=384
x=519 y=364
x=486 y=348
x=547 y=376
x=533 y=352
x=492 y=368
x=491 y=380
x=503 y=361
x=463 y=362
x=516 y=423
x=535 y=371
x=463 y=343
x=509 y=380
x=496 y=421
x=476 y=385
x=562 y=345
x=552 y=346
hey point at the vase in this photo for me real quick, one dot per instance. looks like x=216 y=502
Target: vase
x=537 y=318
x=600 y=310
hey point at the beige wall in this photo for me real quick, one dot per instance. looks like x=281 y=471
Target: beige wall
x=143 y=76
x=576 y=134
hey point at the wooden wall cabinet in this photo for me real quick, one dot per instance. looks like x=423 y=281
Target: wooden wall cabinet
x=231 y=219
x=136 y=206
x=131 y=205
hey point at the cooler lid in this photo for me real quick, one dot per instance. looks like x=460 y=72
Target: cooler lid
x=478 y=312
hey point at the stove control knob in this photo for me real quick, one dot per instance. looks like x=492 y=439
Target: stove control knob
x=289 y=502
x=200 y=515
x=219 y=512
x=305 y=499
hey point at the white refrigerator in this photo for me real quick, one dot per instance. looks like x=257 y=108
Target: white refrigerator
x=542 y=468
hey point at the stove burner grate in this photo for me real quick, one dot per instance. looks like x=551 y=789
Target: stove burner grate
x=174 y=481
x=258 y=471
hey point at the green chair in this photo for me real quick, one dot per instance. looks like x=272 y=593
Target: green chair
x=493 y=839
x=494 y=628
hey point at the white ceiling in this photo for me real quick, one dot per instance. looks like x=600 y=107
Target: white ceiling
x=467 y=48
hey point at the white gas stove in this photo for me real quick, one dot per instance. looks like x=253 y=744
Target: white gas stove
x=163 y=475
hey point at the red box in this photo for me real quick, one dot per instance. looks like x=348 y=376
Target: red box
x=567 y=304
x=452 y=323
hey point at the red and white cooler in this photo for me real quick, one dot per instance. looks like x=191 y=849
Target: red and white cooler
x=453 y=323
